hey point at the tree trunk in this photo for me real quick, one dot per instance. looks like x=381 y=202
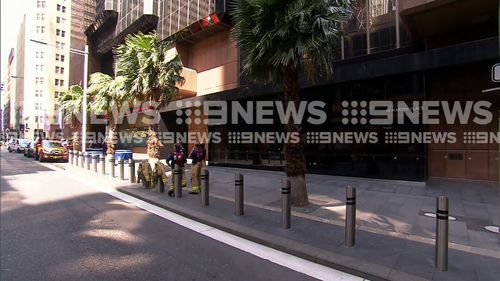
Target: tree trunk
x=75 y=134
x=295 y=167
x=111 y=136
x=154 y=143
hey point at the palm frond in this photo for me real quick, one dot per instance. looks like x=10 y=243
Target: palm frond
x=149 y=73
x=275 y=34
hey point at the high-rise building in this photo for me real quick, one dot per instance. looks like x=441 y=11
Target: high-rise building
x=49 y=30
x=393 y=50
x=8 y=93
x=44 y=46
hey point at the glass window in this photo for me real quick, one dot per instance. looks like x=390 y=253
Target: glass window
x=63 y=9
x=62 y=57
x=63 y=33
x=57 y=82
x=62 y=70
x=57 y=57
x=58 y=32
x=58 y=19
x=58 y=7
x=61 y=83
x=57 y=69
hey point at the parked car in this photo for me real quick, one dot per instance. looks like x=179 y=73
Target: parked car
x=23 y=144
x=25 y=151
x=18 y=145
x=52 y=150
x=30 y=151
x=38 y=145
x=12 y=145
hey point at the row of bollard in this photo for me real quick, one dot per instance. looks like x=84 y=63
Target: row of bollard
x=83 y=160
x=442 y=203
x=442 y=217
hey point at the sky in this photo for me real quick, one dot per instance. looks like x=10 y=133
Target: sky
x=12 y=12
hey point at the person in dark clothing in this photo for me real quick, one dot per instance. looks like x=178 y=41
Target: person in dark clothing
x=198 y=157
x=178 y=156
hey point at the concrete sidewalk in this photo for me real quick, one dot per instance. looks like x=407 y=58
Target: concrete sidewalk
x=394 y=240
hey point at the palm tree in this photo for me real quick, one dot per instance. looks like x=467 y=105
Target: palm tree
x=109 y=97
x=71 y=105
x=151 y=72
x=281 y=39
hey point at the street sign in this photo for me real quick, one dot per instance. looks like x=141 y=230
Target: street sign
x=495 y=73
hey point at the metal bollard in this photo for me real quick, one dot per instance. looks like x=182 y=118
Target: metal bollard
x=350 y=216
x=441 y=258
x=102 y=160
x=87 y=161
x=160 y=186
x=131 y=166
x=177 y=181
x=121 y=169
x=82 y=159
x=95 y=157
x=112 y=166
x=205 y=200
x=70 y=155
x=76 y=157
x=238 y=195
x=286 y=210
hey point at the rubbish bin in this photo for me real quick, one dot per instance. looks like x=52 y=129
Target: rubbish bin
x=93 y=153
x=123 y=155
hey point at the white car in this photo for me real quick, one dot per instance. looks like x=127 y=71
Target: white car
x=18 y=145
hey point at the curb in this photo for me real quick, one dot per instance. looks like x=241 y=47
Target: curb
x=316 y=255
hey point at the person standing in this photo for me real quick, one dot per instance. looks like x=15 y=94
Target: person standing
x=204 y=155
x=178 y=156
x=197 y=157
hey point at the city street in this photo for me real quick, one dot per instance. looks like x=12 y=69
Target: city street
x=54 y=228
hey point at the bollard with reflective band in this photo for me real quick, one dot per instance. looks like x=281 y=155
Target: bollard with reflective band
x=121 y=169
x=87 y=161
x=82 y=159
x=205 y=187
x=131 y=166
x=70 y=155
x=76 y=159
x=286 y=210
x=350 y=216
x=441 y=258
x=112 y=166
x=95 y=157
x=238 y=195
x=177 y=181
x=102 y=160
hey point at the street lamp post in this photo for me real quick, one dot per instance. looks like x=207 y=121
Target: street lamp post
x=84 y=53
x=84 y=103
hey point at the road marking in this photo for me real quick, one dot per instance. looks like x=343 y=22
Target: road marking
x=286 y=260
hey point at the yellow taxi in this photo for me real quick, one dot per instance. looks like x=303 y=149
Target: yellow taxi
x=52 y=150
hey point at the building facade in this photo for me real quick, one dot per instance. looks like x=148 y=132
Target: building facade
x=393 y=50
x=8 y=94
x=48 y=32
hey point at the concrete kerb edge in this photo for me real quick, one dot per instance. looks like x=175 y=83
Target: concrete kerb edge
x=281 y=244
